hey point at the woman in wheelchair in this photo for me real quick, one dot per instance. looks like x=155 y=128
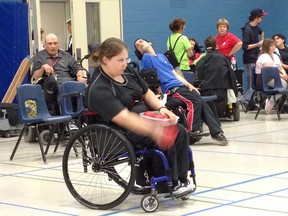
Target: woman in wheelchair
x=118 y=94
x=177 y=87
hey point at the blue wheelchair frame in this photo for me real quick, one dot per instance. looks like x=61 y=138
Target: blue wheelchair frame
x=105 y=166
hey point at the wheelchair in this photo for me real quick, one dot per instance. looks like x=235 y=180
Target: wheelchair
x=229 y=110
x=176 y=105
x=100 y=168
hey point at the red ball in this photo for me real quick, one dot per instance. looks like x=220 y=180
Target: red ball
x=168 y=137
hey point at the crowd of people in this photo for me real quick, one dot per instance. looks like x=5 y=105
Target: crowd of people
x=118 y=94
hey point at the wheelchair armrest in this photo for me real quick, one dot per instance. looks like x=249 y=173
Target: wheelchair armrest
x=209 y=98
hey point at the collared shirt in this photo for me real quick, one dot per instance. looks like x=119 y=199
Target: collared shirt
x=64 y=65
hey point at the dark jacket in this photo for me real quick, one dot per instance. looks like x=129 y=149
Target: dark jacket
x=250 y=35
x=216 y=72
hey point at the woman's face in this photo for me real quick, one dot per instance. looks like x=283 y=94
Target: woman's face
x=272 y=48
x=222 y=30
x=192 y=44
x=116 y=65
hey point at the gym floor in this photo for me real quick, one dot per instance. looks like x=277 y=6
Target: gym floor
x=247 y=177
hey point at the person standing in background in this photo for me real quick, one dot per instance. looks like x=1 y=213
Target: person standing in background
x=251 y=47
x=69 y=29
x=251 y=43
x=182 y=48
x=227 y=43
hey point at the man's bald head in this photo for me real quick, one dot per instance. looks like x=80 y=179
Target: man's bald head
x=51 y=44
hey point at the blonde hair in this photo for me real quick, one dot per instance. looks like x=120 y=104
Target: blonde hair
x=222 y=22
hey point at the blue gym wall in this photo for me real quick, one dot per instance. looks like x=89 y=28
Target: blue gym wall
x=14 y=40
x=150 y=19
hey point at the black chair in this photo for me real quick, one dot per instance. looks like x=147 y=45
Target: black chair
x=268 y=74
x=32 y=110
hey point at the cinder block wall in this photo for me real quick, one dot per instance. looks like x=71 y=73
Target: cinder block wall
x=150 y=19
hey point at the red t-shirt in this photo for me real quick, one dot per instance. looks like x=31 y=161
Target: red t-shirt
x=226 y=43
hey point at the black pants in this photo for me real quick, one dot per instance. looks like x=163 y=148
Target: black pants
x=201 y=109
x=178 y=155
x=52 y=92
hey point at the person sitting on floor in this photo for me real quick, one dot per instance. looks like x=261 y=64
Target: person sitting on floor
x=176 y=86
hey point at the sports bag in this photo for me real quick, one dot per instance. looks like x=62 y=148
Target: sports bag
x=171 y=55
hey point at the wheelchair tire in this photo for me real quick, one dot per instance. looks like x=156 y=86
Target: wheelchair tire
x=149 y=203
x=236 y=111
x=99 y=167
x=30 y=134
x=44 y=137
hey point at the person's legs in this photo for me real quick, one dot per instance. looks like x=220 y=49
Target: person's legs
x=187 y=96
x=203 y=112
x=209 y=118
x=182 y=153
x=269 y=104
x=248 y=74
x=246 y=99
x=50 y=90
x=178 y=158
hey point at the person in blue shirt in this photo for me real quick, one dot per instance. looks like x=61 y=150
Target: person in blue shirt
x=177 y=87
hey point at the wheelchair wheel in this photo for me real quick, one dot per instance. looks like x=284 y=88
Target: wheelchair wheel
x=30 y=134
x=149 y=203
x=102 y=173
x=185 y=197
x=44 y=137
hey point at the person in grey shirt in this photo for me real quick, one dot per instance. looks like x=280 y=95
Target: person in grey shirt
x=52 y=66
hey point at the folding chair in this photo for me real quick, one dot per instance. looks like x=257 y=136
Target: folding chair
x=268 y=74
x=33 y=111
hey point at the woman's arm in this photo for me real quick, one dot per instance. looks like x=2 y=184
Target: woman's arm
x=152 y=101
x=142 y=126
x=236 y=47
x=283 y=73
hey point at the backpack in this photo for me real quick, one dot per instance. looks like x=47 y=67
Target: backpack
x=171 y=55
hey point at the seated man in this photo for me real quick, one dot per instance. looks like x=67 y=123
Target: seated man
x=118 y=94
x=218 y=76
x=52 y=67
x=177 y=86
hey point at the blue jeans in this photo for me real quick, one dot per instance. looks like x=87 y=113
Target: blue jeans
x=248 y=74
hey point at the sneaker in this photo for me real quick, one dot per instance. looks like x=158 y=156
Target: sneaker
x=183 y=189
x=220 y=138
x=269 y=104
